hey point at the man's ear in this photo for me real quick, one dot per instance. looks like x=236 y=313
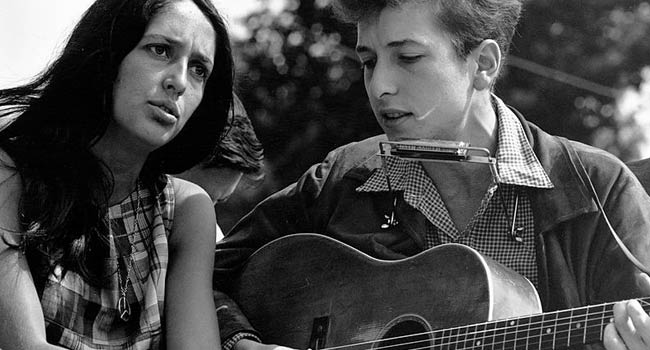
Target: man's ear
x=488 y=62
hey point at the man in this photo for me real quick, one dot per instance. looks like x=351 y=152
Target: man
x=429 y=71
x=238 y=153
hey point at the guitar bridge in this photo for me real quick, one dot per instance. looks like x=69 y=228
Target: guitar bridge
x=319 y=333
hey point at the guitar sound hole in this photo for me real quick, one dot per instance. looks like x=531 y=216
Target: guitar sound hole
x=405 y=335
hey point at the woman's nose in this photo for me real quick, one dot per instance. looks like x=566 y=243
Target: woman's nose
x=176 y=80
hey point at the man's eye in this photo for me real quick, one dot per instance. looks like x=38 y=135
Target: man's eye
x=410 y=58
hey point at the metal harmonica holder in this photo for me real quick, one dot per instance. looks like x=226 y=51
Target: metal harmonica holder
x=443 y=151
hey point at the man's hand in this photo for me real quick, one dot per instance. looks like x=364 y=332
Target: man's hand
x=631 y=326
x=247 y=344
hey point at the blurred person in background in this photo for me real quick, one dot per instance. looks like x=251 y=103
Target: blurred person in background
x=239 y=153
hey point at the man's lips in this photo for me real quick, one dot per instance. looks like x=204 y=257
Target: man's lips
x=395 y=115
x=166 y=109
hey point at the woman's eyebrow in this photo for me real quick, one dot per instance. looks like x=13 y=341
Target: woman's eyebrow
x=198 y=55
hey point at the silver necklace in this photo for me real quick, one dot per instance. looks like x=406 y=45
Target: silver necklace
x=123 y=306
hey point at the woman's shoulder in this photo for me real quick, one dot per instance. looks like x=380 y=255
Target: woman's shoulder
x=8 y=171
x=10 y=192
x=193 y=212
x=185 y=190
x=5 y=158
x=191 y=200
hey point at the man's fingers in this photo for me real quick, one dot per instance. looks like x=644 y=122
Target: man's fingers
x=641 y=322
x=629 y=329
x=611 y=340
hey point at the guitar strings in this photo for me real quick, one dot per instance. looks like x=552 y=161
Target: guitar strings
x=446 y=339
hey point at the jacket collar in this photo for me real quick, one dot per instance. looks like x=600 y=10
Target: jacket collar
x=569 y=198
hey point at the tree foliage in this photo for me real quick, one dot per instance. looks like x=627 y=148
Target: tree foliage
x=602 y=41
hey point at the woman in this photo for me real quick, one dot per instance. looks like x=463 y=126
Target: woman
x=99 y=248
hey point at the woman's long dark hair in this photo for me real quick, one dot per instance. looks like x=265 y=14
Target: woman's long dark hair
x=58 y=117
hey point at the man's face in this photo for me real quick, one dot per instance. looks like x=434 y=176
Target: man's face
x=417 y=85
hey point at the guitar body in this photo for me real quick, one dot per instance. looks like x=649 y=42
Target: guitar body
x=310 y=291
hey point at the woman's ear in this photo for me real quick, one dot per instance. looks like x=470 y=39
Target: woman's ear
x=488 y=62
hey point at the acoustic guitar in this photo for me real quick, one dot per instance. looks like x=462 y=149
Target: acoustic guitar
x=311 y=291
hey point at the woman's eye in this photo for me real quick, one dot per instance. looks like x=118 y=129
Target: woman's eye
x=159 y=50
x=200 y=71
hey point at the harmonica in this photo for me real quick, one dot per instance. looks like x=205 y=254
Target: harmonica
x=438 y=150
x=420 y=149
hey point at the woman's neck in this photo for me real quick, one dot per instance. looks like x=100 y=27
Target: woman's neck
x=124 y=167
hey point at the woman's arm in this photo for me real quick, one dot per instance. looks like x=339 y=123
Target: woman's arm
x=21 y=317
x=191 y=320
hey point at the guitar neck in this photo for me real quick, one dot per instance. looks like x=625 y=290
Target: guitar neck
x=552 y=330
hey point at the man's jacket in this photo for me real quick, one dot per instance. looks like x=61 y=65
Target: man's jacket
x=579 y=262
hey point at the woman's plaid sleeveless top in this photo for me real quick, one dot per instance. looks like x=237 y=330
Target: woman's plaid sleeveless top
x=81 y=316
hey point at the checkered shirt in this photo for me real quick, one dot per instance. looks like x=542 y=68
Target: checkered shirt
x=489 y=229
x=81 y=316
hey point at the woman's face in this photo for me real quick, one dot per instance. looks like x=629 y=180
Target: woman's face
x=160 y=83
x=417 y=85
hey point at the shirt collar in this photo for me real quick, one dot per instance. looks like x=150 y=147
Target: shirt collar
x=516 y=162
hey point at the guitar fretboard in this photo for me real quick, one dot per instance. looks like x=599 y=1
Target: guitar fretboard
x=552 y=330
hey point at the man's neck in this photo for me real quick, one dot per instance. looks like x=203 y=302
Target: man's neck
x=462 y=185
x=481 y=130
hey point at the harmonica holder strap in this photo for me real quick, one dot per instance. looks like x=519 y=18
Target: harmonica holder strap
x=589 y=186
x=444 y=151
